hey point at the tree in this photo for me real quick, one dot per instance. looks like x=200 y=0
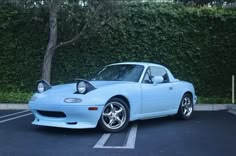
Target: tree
x=96 y=14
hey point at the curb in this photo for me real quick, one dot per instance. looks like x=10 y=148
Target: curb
x=4 y=106
x=232 y=109
x=197 y=107
x=211 y=107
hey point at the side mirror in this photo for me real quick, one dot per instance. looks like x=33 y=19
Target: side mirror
x=157 y=79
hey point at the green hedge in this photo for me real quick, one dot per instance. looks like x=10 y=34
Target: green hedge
x=15 y=97
x=196 y=44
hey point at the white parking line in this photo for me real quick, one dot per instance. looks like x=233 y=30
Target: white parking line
x=15 y=118
x=130 y=143
x=14 y=114
x=102 y=140
x=132 y=137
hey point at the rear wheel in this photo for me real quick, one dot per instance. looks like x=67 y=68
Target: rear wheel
x=115 y=116
x=186 y=107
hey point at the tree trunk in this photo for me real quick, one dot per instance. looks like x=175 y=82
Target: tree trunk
x=54 y=6
x=47 y=61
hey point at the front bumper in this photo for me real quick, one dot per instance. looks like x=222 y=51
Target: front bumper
x=76 y=115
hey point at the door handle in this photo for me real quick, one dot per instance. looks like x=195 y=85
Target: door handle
x=171 y=88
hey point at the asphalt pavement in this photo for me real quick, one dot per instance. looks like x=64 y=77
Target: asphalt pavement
x=206 y=134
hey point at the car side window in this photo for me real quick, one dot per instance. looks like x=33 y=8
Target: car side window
x=147 y=77
x=159 y=71
x=155 y=71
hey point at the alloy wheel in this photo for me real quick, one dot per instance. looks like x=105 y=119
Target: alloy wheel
x=114 y=115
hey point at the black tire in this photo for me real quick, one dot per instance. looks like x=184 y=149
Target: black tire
x=186 y=107
x=123 y=116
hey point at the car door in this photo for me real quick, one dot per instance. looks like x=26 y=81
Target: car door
x=156 y=98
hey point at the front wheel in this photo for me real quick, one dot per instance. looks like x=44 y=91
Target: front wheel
x=186 y=107
x=115 y=116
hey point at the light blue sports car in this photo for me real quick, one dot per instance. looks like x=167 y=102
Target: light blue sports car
x=118 y=94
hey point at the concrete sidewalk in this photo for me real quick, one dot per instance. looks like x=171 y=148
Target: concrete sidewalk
x=197 y=107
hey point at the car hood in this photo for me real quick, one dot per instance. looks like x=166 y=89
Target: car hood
x=71 y=88
x=98 y=84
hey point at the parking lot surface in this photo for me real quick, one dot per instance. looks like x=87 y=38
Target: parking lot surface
x=206 y=134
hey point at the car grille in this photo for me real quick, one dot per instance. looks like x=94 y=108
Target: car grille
x=52 y=114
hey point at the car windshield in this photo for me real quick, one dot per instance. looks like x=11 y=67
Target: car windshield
x=122 y=72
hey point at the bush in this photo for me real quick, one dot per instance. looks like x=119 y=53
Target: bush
x=15 y=97
x=196 y=44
